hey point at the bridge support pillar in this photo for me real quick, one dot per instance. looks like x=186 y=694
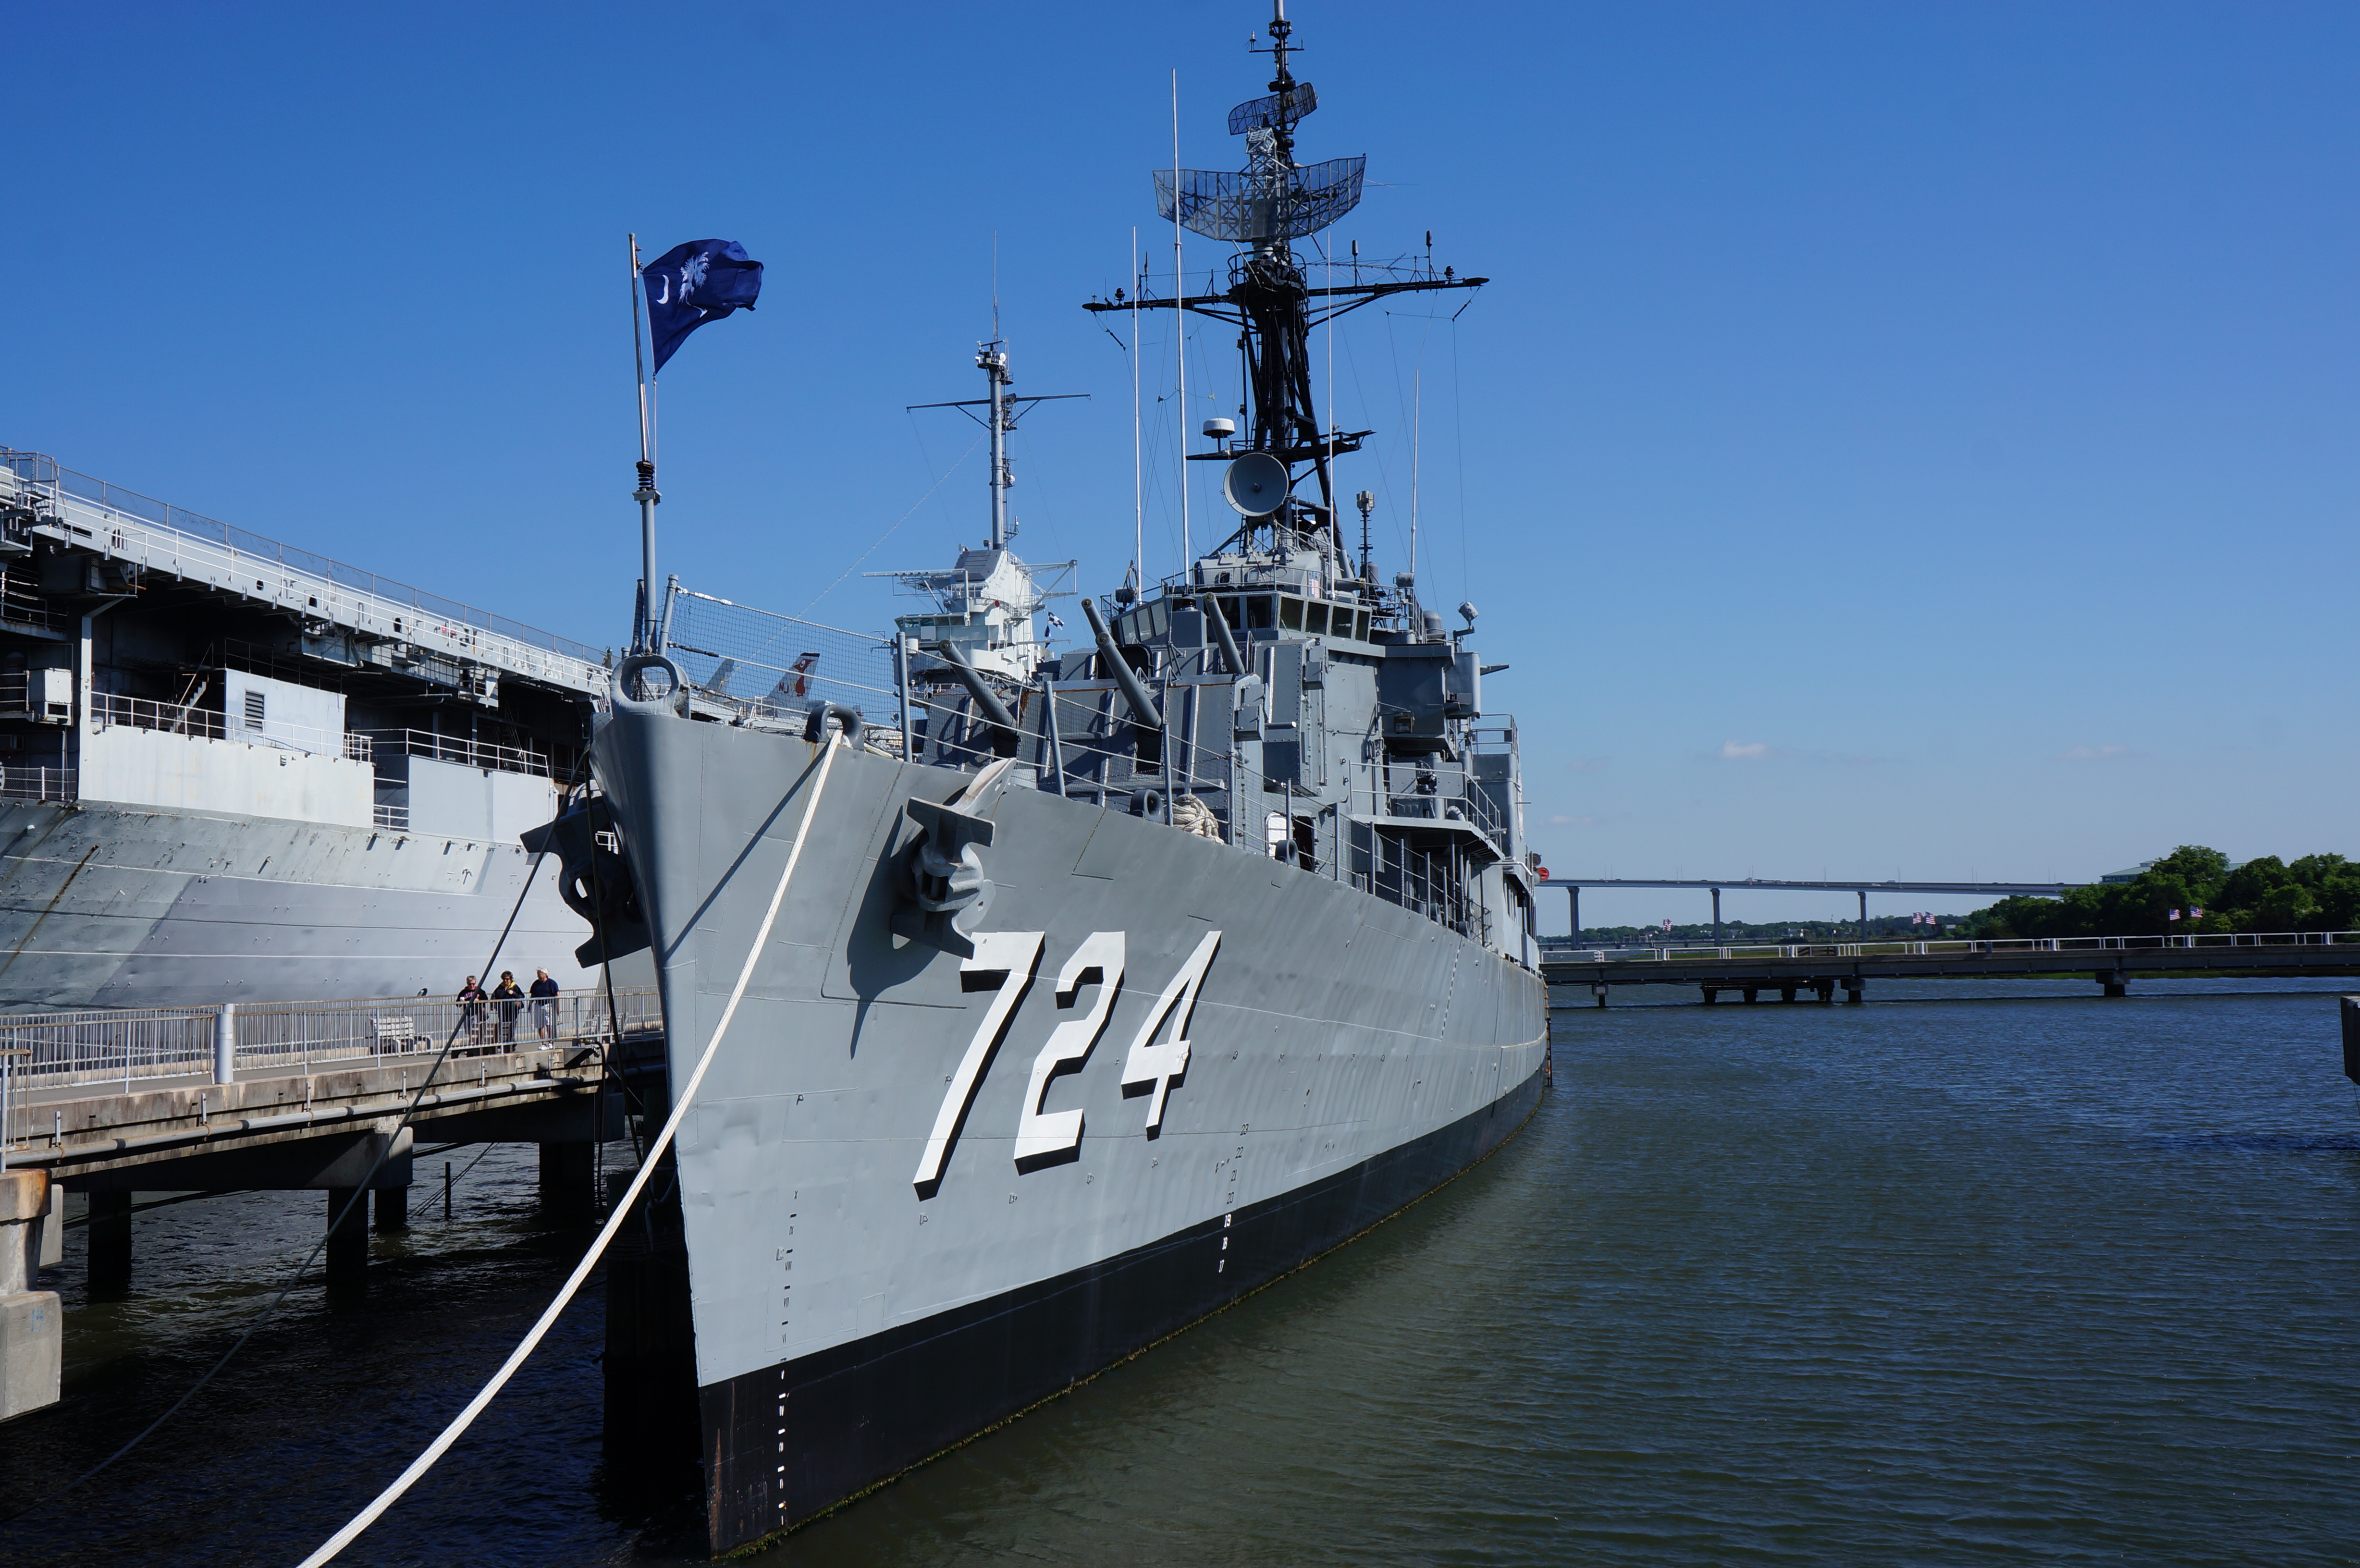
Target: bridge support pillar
x=110 y=1243
x=1825 y=990
x=1864 y=912
x=2114 y=985
x=1598 y=991
x=1710 y=995
x=392 y=1209
x=1716 y=921
x=566 y=1173
x=1751 y=995
x=347 y=1251
x=32 y=1325
x=1573 y=910
x=1853 y=989
x=1786 y=992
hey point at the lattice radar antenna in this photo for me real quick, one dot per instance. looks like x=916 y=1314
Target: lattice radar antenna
x=1273 y=200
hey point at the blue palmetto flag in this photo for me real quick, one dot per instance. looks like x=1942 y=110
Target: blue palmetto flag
x=692 y=284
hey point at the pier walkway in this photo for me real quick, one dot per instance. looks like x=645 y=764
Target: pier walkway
x=288 y=1096
x=1819 y=970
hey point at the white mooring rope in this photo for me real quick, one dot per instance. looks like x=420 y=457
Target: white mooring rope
x=465 y=1418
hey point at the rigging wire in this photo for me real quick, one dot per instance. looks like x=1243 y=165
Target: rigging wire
x=1138 y=475
x=1459 y=441
x=359 y=1197
x=483 y=1396
x=904 y=518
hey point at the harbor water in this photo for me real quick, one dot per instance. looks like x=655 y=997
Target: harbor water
x=1987 y=1272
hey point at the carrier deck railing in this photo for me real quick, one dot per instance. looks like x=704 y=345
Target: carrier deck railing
x=57 y=503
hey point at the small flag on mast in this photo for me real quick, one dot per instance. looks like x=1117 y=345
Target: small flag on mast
x=692 y=284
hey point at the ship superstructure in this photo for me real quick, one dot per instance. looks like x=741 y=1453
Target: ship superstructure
x=231 y=770
x=1044 y=1002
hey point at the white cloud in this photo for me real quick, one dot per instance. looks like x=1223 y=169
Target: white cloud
x=1745 y=751
x=2093 y=754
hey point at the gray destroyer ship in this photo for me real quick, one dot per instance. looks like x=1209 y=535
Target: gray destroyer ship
x=1047 y=1004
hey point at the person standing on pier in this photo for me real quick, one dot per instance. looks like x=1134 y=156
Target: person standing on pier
x=510 y=997
x=471 y=1010
x=544 y=1006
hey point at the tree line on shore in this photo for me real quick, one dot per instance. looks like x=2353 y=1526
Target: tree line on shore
x=2318 y=892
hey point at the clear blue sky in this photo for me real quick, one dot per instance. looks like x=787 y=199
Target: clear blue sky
x=1901 y=440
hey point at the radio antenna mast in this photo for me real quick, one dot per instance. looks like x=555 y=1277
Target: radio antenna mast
x=1179 y=331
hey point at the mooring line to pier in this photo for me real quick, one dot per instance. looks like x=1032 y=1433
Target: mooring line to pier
x=360 y=1195
x=466 y=1418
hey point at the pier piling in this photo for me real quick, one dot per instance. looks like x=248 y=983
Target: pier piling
x=566 y=1173
x=347 y=1251
x=32 y=1325
x=392 y=1210
x=110 y=1242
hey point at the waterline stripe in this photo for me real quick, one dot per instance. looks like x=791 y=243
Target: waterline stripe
x=465 y=1418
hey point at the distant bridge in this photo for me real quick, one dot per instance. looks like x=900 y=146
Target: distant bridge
x=1993 y=890
x=1820 y=970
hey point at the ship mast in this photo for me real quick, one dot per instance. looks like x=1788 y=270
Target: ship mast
x=1001 y=412
x=1271 y=203
x=992 y=360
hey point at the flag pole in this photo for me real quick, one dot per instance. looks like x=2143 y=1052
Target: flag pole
x=646 y=494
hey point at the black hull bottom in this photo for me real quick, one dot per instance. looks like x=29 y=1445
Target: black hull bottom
x=789 y=1442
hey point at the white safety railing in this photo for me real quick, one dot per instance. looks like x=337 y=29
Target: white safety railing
x=156 y=537
x=459 y=749
x=36 y=783
x=124 y=1046
x=1563 y=949
x=109 y=708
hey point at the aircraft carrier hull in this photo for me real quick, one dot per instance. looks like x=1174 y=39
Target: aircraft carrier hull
x=924 y=1191
x=133 y=906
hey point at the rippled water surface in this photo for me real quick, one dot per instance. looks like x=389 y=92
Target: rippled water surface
x=2020 y=1278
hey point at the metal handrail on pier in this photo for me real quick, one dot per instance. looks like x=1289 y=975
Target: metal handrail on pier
x=124 y=1046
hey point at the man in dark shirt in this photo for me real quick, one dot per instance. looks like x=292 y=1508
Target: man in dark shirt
x=544 y=1004
x=510 y=997
x=471 y=1010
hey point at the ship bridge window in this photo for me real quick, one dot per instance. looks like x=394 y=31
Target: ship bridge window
x=1315 y=618
x=1290 y=612
x=1360 y=625
x=1258 y=612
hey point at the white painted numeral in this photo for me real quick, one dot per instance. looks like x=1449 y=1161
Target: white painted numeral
x=1014 y=956
x=1038 y=1133
x=1159 y=1064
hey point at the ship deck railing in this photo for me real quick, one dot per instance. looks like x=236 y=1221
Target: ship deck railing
x=1565 y=950
x=154 y=536
x=37 y=782
x=112 y=708
x=460 y=749
x=126 y=1046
